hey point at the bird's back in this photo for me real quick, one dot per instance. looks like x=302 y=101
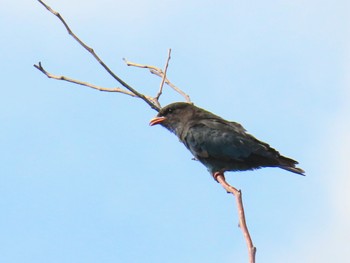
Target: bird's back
x=226 y=146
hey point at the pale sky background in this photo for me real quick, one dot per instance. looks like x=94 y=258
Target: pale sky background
x=83 y=178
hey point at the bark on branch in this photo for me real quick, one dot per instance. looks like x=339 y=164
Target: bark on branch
x=152 y=102
x=83 y=83
x=242 y=221
x=158 y=72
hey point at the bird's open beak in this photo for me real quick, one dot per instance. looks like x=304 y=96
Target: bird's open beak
x=156 y=120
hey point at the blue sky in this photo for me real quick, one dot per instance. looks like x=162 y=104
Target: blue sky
x=85 y=179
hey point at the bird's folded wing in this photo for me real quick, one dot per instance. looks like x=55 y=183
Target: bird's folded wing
x=216 y=140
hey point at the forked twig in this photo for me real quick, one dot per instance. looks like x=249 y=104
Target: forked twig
x=183 y=94
x=242 y=221
x=92 y=52
x=158 y=72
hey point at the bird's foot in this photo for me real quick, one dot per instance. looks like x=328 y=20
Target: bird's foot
x=220 y=178
x=217 y=174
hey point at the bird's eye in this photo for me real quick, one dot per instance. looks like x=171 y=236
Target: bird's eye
x=169 y=110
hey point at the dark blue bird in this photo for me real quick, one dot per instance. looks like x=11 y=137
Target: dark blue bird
x=219 y=144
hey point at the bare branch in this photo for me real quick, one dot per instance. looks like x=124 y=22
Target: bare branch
x=178 y=90
x=164 y=76
x=52 y=76
x=92 y=52
x=137 y=65
x=158 y=72
x=242 y=221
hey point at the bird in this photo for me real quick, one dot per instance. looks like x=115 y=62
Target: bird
x=220 y=145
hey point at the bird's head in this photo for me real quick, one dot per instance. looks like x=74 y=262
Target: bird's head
x=174 y=116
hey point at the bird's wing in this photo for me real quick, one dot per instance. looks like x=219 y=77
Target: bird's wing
x=224 y=140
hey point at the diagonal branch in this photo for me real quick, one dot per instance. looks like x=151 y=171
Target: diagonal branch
x=158 y=72
x=92 y=52
x=160 y=91
x=167 y=81
x=164 y=76
x=52 y=76
x=242 y=222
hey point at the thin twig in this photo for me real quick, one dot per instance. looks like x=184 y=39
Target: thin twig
x=137 y=65
x=64 y=78
x=164 y=76
x=183 y=94
x=92 y=52
x=158 y=72
x=242 y=221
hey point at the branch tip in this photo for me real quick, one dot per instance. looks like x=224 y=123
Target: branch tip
x=130 y=89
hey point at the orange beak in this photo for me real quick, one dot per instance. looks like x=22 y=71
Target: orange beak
x=156 y=120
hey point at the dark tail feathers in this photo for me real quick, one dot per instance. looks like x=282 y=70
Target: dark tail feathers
x=289 y=165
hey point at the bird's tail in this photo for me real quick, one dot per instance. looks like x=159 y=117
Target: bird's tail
x=289 y=165
x=294 y=170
